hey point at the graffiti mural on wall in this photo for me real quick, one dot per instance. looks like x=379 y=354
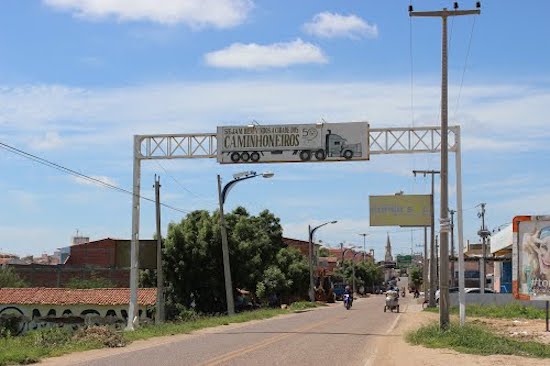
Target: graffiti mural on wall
x=35 y=319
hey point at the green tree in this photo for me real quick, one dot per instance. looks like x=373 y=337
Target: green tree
x=9 y=278
x=193 y=257
x=324 y=252
x=416 y=277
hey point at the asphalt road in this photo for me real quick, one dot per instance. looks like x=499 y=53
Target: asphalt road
x=320 y=337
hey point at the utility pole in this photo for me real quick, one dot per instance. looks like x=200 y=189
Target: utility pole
x=444 y=201
x=433 y=268
x=452 y=212
x=483 y=233
x=425 y=265
x=437 y=264
x=159 y=317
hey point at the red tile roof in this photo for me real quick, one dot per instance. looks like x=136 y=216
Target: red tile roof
x=66 y=296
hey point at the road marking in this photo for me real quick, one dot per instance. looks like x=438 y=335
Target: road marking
x=372 y=357
x=233 y=354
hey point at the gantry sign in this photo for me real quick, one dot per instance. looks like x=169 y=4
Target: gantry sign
x=320 y=142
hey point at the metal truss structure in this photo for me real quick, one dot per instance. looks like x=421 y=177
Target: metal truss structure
x=397 y=140
x=394 y=140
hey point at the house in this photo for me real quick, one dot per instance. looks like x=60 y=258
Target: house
x=106 y=258
x=302 y=246
x=46 y=307
x=501 y=248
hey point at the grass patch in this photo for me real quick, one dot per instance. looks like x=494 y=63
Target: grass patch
x=475 y=339
x=303 y=305
x=52 y=342
x=509 y=311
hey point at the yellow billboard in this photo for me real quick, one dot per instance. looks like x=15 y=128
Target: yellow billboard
x=400 y=210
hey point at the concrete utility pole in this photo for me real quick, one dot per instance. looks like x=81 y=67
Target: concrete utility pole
x=444 y=201
x=452 y=212
x=437 y=264
x=159 y=317
x=433 y=268
x=484 y=234
x=425 y=265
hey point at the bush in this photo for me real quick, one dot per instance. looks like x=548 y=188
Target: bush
x=51 y=337
x=185 y=314
x=10 y=324
x=100 y=336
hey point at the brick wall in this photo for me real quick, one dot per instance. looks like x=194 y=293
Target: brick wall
x=101 y=253
x=58 y=276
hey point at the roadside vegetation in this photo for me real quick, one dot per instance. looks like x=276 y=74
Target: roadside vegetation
x=475 y=339
x=509 y=311
x=35 y=345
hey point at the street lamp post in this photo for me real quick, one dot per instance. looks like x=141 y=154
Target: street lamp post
x=373 y=262
x=222 y=195
x=353 y=271
x=310 y=239
x=364 y=235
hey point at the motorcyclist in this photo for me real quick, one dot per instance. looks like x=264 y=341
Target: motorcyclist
x=350 y=294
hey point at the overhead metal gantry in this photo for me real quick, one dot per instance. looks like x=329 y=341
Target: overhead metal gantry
x=382 y=141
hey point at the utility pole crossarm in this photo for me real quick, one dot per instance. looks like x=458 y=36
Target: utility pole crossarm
x=443 y=13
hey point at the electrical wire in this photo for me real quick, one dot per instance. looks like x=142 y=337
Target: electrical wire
x=77 y=174
x=465 y=67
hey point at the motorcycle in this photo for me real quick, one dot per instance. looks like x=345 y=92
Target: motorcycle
x=347 y=301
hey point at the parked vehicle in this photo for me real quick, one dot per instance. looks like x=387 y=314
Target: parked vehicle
x=468 y=290
x=338 y=290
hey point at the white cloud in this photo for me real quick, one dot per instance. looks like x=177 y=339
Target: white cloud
x=332 y=25
x=255 y=56
x=100 y=178
x=86 y=118
x=50 y=141
x=195 y=13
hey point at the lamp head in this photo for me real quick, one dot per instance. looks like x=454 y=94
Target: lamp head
x=334 y=222
x=243 y=174
x=268 y=174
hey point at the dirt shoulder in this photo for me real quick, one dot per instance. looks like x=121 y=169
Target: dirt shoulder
x=398 y=352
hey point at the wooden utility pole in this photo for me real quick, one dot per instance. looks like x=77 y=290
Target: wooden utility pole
x=484 y=234
x=159 y=317
x=433 y=268
x=444 y=201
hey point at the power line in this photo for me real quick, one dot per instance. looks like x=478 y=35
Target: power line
x=74 y=173
x=465 y=66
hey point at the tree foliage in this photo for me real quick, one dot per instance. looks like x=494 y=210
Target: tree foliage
x=9 y=278
x=366 y=274
x=193 y=263
x=416 y=277
x=324 y=252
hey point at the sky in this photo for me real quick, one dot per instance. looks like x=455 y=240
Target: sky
x=79 y=78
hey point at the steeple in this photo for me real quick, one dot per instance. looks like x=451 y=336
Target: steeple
x=388 y=257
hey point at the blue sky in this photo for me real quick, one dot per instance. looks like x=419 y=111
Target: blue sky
x=79 y=77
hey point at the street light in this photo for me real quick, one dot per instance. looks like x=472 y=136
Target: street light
x=222 y=195
x=310 y=238
x=364 y=235
x=353 y=271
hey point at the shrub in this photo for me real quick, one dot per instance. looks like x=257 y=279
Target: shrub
x=10 y=324
x=101 y=336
